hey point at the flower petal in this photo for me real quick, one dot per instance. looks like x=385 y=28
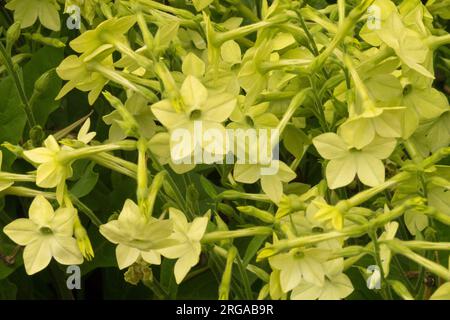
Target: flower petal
x=22 y=231
x=41 y=211
x=65 y=250
x=37 y=256
x=126 y=255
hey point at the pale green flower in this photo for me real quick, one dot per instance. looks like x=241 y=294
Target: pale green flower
x=336 y=284
x=28 y=11
x=138 y=106
x=45 y=234
x=188 y=235
x=137 y=235
x=199 y=109
x=111 y=30
x=84 y=135
x=300 y=265
x=271 y=184
x=51 y=171
x=256 y=116
x=346 y=161
x=80 y=76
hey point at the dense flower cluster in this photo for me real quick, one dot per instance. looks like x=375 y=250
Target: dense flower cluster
x=362 y=172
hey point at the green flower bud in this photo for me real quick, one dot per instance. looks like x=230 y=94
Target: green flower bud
x=12 y=35
x=37 y=135
x=257 y=213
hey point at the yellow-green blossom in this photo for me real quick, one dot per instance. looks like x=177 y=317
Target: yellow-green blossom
x=45 y=234
x=137 y=235
x=51 y=171
x=188 y=235
x=336 y=284
x=28 y=11
x=271 y=184
x=300 y=265
x=80 y=76
x=108 y=31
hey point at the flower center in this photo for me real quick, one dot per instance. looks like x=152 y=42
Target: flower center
x=407 y=89
x=317 y=230
x=249 y=121
x=299 y=254
x=46 y=231
x=195 y=114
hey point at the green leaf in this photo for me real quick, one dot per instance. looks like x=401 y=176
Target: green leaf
x=293 y=140
x=7 y=248
x=252 y=248
x=43 y=60
x=8 y=290
x=86 y=183
x=12 y=116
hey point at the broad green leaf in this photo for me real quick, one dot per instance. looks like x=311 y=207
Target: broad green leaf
x=293 y=140
x=12 y=116
x=86 y=183
x=42 y=61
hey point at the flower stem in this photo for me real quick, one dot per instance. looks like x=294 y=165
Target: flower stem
x=248 y=232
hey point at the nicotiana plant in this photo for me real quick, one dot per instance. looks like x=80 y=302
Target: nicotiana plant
x=102 y=164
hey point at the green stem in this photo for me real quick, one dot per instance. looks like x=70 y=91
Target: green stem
x=157 y=289
x=398 y=247
x=376 y=247
x=343 y=30
x=115 y=163
x=436 y=42
x=85 y=209
x=225 y=235
x=351 y=231
x=224 y=288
